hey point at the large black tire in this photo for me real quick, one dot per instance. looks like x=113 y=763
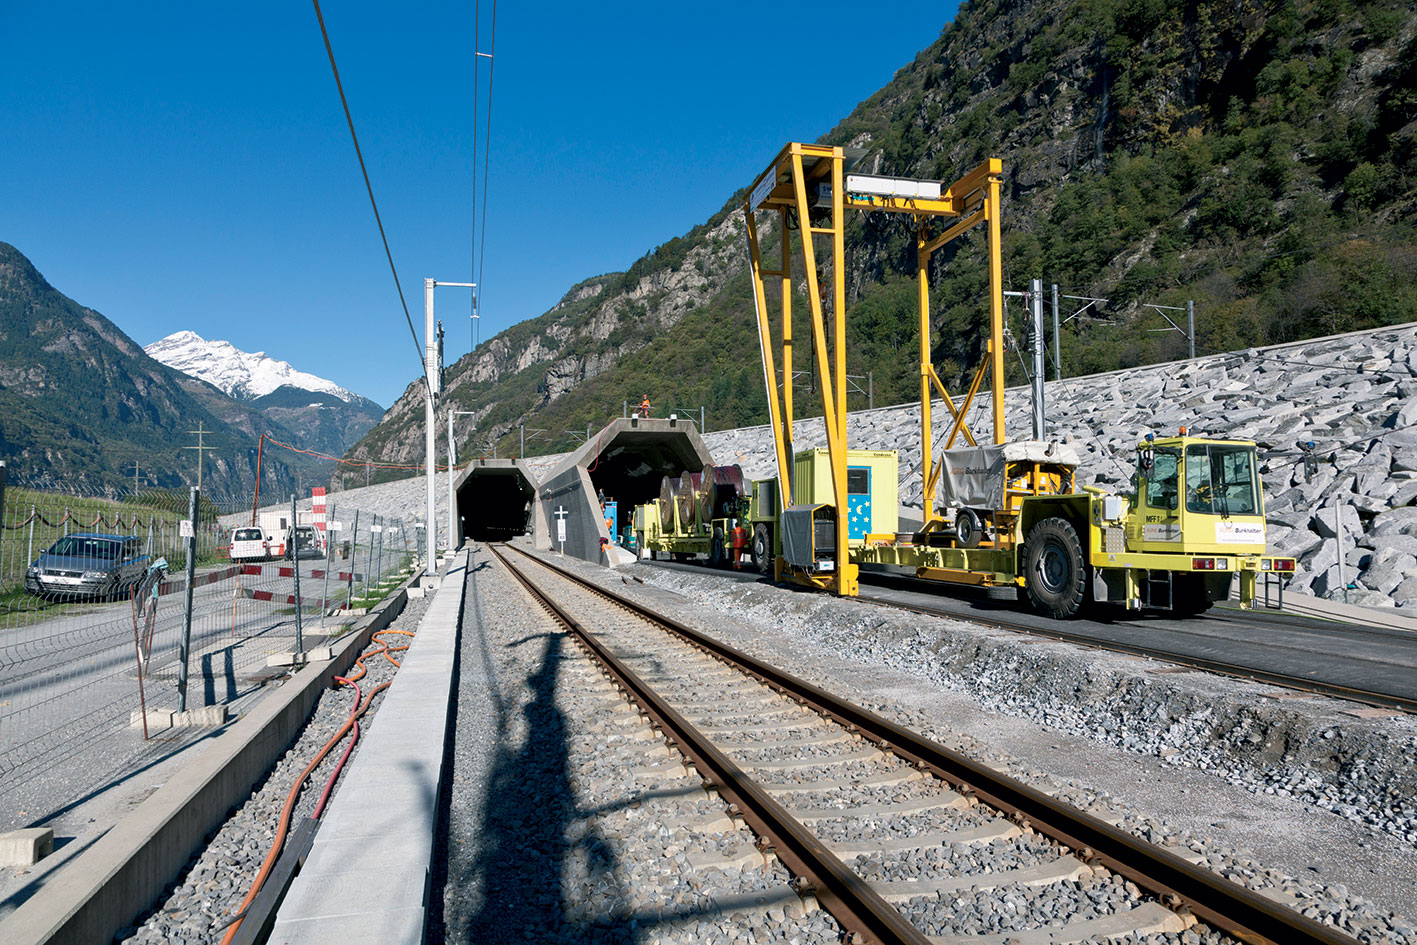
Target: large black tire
x=1055 y=574
x=717 y=558
x=762 y=549
x=968 y=528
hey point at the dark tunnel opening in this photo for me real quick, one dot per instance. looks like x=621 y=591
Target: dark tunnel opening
x=630 y=472
x=495 y=504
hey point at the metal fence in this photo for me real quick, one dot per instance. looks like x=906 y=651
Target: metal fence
x=103 y=637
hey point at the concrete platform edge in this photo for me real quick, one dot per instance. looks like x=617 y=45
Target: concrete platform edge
x=123 y=873
x=389 y=798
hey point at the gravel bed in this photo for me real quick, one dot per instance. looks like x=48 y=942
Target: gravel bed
x=913 y=824
x=822 y=753
x=1015 y=907
x=197 y=907
x=1229 y=737
x=957 y=859
x=551 y=836
x=749 y=736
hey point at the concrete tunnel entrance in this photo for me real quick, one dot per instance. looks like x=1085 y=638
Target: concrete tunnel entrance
x=495 y=499
x=625 y=462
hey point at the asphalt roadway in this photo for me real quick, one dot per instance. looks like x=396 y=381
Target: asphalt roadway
x=1347 y=655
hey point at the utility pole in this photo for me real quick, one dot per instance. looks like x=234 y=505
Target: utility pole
x=534 y=432
x=198 y=433
x=135 y=476
x=433 y=373
x=1035 y=290
x=1057 y=339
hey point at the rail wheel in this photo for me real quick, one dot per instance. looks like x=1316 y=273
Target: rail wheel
x=762 y=548
x=1055 y=574
x=717 y=558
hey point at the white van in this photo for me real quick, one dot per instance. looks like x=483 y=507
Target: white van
x=249 y=544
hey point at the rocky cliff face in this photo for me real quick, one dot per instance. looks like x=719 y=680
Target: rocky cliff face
x=595 y=325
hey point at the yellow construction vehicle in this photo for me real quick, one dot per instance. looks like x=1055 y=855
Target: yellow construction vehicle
x=1010 y=514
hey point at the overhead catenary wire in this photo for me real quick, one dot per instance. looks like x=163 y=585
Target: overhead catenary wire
x=487 y=145
x=472 y=249
x=329 y=49
x=481 y=141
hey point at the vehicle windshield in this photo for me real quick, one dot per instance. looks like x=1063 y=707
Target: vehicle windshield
x=1162 y=483
x=1220 y=480
x=79 y=547
x=247 y=534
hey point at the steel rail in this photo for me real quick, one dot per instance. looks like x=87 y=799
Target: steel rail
x=847 y=896
x=1181 y=885
x=1318 y=687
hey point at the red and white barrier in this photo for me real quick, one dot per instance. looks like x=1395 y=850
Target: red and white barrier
x=283 y=570
x=202 y=580
x=287 y=599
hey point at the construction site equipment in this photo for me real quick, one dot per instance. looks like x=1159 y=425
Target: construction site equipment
x=694 y=515
x=1009 y=513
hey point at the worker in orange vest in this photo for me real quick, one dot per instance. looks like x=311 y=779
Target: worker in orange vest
x=739 y=537
x=644 y=407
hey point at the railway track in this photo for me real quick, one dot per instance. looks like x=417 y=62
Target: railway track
x=901 y=839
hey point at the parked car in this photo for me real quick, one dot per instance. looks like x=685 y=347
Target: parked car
x=249 y=544
x=88 y=565
x=303 y=543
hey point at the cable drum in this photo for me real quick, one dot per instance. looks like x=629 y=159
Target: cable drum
x=723 y=487
x=691 y=486
x=668 y=491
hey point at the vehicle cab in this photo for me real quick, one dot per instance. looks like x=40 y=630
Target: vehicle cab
x=1202 y=498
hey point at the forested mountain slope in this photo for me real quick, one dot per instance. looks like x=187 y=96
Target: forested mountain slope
x=1258 y=159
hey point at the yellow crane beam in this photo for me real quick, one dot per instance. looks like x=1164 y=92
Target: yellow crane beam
x=804 y=178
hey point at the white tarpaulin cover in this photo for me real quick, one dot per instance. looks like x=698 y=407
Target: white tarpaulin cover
x=973 y=476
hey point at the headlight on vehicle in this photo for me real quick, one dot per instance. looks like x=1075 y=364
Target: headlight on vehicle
x=95 y=575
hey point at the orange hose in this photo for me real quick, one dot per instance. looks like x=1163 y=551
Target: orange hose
x=283 y=827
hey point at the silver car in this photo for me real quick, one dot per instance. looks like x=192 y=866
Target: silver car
x=88 y=566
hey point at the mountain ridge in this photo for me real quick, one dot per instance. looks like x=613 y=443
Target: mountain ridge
x=1258 y=160
x=243 y=375
x=80 y=401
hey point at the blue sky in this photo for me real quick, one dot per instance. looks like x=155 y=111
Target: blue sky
x=188 y=166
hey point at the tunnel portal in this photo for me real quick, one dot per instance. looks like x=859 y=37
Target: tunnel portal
x=495 y=499
x=624 y=463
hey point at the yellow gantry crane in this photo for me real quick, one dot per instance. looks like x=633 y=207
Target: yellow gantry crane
x=804 y=178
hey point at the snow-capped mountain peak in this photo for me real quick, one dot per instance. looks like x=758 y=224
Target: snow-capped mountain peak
x=242 y=374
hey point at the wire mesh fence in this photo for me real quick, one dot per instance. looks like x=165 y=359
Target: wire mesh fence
x=101 y=636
